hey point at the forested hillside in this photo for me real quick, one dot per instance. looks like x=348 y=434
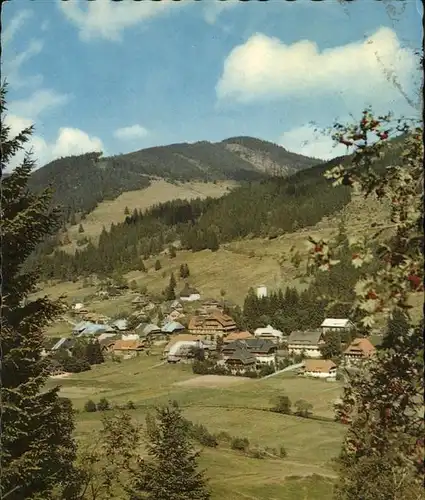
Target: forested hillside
x=81 y=182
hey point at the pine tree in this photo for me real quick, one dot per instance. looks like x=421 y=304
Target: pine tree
x=157 y=265
x=94 y=353
x=141 y=266
x=172 y=252
x=332 y=347
x=80 y=228
x=126 y=211
x=172 y=473
x=173 y=282
x=37 y=448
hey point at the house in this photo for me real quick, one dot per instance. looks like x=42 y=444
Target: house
x=53 y=345
x=127 y=348
x=139 y=301
x=189 y=294
x=104 y=336
x=181 y=337
x=336 y=325
x=172 y=327
x=214 y=324
x=183 y=350
x=237 y=336
x=130 y=336
x=209 y=305
x=319 y=368
x=96 y=318
x=240 y=359
x=269 y=333
x=77 y=307
x=120 y=324
x=264 y=351
x=174 y=315
x=107 y=344
x=359 y=350
x=176 y=305
x=308 y=343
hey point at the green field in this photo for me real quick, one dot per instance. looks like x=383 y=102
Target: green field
x=239 y=408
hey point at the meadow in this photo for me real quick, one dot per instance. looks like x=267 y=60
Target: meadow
x=240 y=409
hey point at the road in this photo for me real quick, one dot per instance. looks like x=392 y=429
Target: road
x=287 y=369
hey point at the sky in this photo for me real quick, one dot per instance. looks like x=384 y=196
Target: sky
x=121 y=76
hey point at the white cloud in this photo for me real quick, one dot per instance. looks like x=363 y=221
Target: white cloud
x=130 y=133
x=73 y=141
x=264 y=68
x=15 y=25
x=12 y=66
x=69 y=141
x=307 y=141
x=106 y=19
x=39 y=102
x=214 y=9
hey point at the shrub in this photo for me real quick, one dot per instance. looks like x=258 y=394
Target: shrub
x=282 y=405
x=282 y=452
x=257 y=453
x=267 y=370
x=103 y=405
x=130 y=405
x=241 y=444
x=90 y=406
x=224 y=436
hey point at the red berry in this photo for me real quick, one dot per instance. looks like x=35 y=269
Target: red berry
x=371 y=295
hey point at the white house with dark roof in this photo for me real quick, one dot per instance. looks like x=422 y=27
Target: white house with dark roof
x=336 y=325
x=308 y=343
x=189 y=294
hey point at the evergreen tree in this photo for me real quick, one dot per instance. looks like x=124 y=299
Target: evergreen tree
x=251 y=310
x=332 y=347
x=126 y=211
x=173 y=282
x=72 y=219
x=94 y=353
x=141 y=266
x=80 y=228
x=157 y=265
x=172 y=252
x=172 y=473
x=37 y=448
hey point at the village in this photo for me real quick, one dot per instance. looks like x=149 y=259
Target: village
x=191 y=329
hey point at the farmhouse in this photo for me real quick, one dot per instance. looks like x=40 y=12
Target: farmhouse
x=237 y=336
x=241 y=358
x=264 y=351
x=210 y=305
x=174 y=315
x=181 y=337
x=189 y=294
x=359 y=350
x=139 y=301
x=308 y=343
x=214 y=324
x=269 y=333
x=172 y=327
x=319 y=368
x=127 y=348
x=336 y=325
x=176 y=305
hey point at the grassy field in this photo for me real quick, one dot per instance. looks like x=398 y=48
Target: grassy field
x=159 y=191
x=239 y=409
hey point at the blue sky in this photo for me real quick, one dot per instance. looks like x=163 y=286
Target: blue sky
x=129 y=75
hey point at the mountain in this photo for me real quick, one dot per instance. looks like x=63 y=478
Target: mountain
x=81 y=182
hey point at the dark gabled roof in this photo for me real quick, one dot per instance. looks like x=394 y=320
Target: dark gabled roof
x=310 y=337
x=255 y=345
x=260 y=345
x=243 y=355
x=188 y=290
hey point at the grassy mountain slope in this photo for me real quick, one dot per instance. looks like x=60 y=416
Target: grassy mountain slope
x=159 y=191
x=81 y=182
